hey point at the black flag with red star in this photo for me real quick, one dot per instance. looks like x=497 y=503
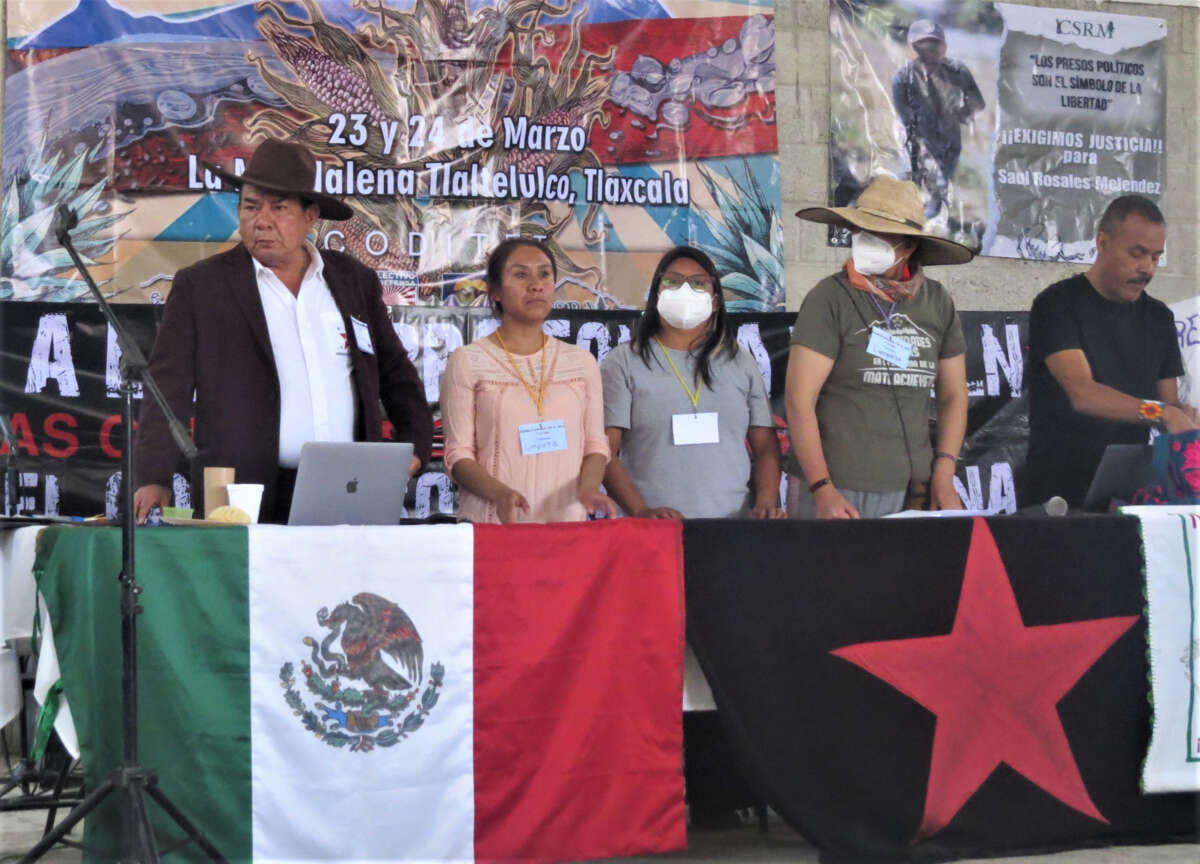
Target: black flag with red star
x=937 y=688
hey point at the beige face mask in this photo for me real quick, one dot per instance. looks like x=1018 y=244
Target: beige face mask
x=871 y=255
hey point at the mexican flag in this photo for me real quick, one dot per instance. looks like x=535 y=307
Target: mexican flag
x=1173 y=607
x=440 y=693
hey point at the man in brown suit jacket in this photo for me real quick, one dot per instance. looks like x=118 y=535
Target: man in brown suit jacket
x=214 y=340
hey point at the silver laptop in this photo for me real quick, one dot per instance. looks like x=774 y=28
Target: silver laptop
x=1123 y=469
x=350 y=484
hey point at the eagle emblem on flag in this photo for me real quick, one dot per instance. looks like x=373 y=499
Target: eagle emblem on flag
x=368 y=693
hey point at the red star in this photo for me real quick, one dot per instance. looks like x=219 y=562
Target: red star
x=993 y=684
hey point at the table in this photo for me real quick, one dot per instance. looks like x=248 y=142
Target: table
x=843 y=755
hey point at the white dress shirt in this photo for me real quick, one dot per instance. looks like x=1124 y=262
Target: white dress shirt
x=312 y=359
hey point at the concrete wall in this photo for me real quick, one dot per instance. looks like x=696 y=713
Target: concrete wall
x=802 y=49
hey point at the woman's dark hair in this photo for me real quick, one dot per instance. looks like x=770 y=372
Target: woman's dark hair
x=499 y=257
x=914 y=260
x=719 y=333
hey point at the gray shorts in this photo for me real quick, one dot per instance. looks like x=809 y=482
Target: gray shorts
x=801 y=505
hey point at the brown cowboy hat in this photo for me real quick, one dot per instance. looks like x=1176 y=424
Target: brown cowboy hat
x=282 y=166
x=891 y=206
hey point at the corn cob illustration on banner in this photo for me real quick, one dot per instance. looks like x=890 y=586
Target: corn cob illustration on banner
x=613 y=130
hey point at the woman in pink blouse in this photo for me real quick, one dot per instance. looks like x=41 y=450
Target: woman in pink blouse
x=522 y=412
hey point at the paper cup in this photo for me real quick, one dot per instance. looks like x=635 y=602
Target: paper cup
x=246 y=496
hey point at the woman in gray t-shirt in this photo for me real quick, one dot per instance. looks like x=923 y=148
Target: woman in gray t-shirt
x=681 y=402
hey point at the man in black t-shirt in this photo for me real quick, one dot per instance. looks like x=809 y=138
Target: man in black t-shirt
x=1103 y=358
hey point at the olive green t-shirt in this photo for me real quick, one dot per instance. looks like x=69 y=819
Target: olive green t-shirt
x=867 y=408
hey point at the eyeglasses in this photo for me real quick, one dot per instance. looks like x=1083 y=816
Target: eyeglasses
x=671 y=281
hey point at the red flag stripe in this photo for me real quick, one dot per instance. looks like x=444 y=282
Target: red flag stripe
x=578 y=683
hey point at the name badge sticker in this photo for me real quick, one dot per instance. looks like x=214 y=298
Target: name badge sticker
x=545 y=437
x=362 y=335
x=889 y=348
x=695 y=429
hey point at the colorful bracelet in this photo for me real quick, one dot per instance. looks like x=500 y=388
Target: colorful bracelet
x=1151 y=413
x=942 y=454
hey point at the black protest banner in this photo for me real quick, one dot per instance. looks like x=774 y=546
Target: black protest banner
x=61 y=375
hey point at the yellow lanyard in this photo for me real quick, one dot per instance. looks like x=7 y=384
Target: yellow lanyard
x=694 y=395
x=540 y=396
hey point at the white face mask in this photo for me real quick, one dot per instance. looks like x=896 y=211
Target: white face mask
x=684 y=307
x=871 y=255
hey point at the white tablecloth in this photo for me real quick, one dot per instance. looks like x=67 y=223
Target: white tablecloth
x=18 y=546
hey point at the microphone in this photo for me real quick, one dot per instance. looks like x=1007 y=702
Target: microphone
x=65 y=220
x=1055 y=505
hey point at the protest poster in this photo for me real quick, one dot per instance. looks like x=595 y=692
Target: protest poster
x=1019 y=123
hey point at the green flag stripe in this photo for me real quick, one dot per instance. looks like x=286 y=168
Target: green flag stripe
x=198 y=736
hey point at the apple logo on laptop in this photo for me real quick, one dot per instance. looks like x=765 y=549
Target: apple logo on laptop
x=352 y=486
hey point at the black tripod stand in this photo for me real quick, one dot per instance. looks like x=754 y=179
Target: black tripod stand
x=130 y=781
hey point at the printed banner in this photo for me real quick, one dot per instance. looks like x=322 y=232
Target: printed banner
x=1019 y=123
x=60 y=384
x=1171 y=544
x=1187 y=331
x=992 y=471
x=613 y=129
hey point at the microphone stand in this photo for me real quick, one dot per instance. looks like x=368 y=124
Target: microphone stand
x=10 y=470
x=131 y=781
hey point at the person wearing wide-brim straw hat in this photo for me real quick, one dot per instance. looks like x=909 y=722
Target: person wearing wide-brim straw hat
x=870 y=343
x=280 y=342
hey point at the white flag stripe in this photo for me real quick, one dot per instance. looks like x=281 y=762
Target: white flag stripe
x=413 y=800
x=1172 y=548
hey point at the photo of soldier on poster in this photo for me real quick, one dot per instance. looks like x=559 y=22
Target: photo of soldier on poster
x=907 y=84
x=1018 y=123
x=935 y=95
